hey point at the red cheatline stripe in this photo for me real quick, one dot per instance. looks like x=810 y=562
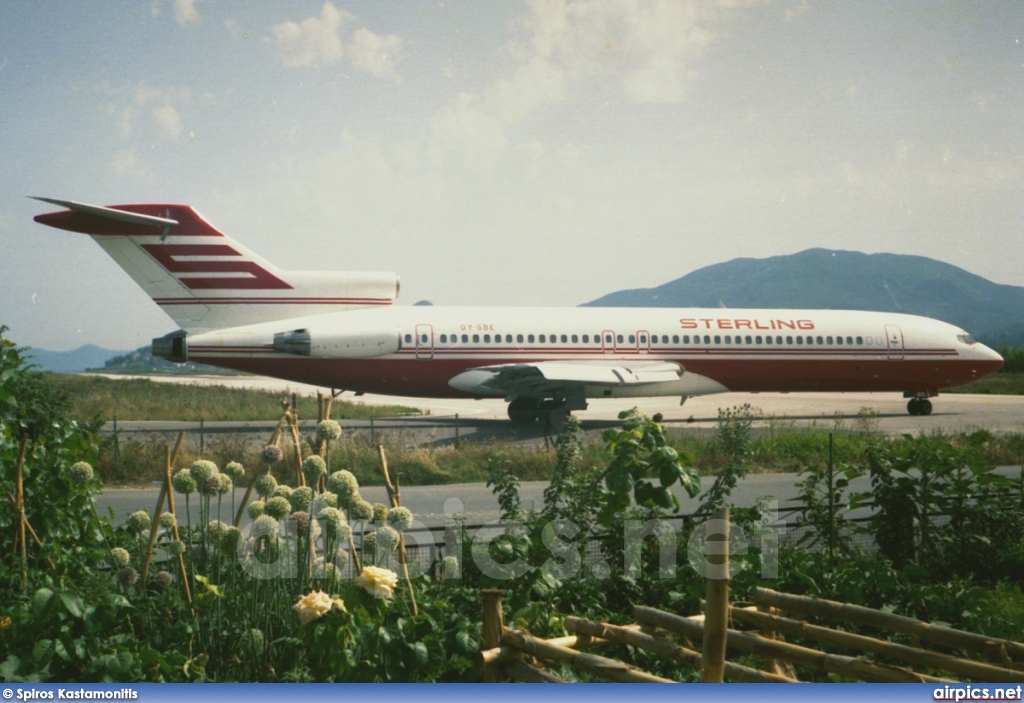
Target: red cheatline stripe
x=273 y=301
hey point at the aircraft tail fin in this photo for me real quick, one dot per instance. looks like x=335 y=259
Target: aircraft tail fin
x=203 y=279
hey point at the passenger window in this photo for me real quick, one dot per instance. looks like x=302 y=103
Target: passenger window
x=778 y=339
x=820 y=340
x=789 y=340
x=444 y=338
x=408 y=339
x=718 y=339
x=757 y=339
x=799 y=340
x=519 y=338
x=839 y=340
x=586 y=339
x=476 y=339
x=530 y=339
x=828 y=340
x=849 y=340
x=675 y=339
x=487 y=338
x=707 y=339
x=575 y=339
x=465 y=338
x=748 y=340
x=618 y=338
x=768 y=340
x=564 y=339
x=860 y=341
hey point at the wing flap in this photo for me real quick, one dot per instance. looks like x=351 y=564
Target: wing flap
x=536 y=379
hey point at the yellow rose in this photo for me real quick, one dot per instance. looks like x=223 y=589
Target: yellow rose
x=313 y=605
x=377 y=582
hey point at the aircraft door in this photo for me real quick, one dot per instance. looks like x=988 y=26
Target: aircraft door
x=643 y=341
x=607 y=341
x=424 y=341
x=894 y=342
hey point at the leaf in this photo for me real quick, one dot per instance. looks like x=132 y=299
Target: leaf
x=73 y=604
x=422 y=655
x=619 y=481
x=466 y=640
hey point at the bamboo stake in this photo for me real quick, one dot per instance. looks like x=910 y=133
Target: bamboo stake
x=492 y=628
x=527 y=673
x=717 y=610
x=978 y=671
x=505 y=653
x=28 y=525
x=395 y=498
x=601 y=667
x=274 y=439
x=19 y=497
x=293 y=424
x=834 y=663
x=159 y=508
x=177 y=537
x=632 y=636
x=998 y=650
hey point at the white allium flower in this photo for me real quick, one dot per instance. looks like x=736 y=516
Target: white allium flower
x=313 y=468
x=235 y=470
x=301 y=498
x=328 y=430
x=278 y=507
x=400 y=518
x=283 y=491
x=450 y=567
x=120 y=557
x=167 y=520
x=265 y=526
x=265 y=485
x=202 y=470
x=139 y=521
x=183 y=482
x=80 y=472
x=256 y=508
x=387 y=538
x=342 y=483
x=226 y=484
x=362 y=510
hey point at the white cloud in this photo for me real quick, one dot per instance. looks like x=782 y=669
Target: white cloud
x=185 y=11
x=141 y=108
x=374 y=53
x=313 y=42
x=317 y=41
x=619 y=50
x=168 y=120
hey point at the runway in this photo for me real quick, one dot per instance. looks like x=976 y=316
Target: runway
x=880 y=412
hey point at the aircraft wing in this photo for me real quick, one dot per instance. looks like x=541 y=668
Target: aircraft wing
x=540 y=378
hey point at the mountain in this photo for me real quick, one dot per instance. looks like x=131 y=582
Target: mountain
x=846 y=280
x=142 y=361
x=72 y=361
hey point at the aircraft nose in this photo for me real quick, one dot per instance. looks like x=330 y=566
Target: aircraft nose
x=989 y=360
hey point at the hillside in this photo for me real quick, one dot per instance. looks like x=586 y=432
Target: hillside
x=73 y=361
x=846 y=280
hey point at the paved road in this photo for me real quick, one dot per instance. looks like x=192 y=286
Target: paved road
x=476 y=503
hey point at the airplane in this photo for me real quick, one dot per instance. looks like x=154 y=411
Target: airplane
x=342 y=330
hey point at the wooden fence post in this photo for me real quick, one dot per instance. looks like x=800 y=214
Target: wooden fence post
x=493 y=628
x=716 y=621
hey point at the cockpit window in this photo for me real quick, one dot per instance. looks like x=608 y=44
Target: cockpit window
x=966 y=338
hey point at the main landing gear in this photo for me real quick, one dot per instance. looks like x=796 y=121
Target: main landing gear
x=919 y=406
x=526 y=411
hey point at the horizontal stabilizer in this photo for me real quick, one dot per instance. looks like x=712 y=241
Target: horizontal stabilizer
x=134 y=218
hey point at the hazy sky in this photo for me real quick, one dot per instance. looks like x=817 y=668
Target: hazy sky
x=505 y=153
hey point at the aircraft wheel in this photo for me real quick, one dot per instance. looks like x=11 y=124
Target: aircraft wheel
x=523 y=411
x=914 y=406
x=925 y=407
